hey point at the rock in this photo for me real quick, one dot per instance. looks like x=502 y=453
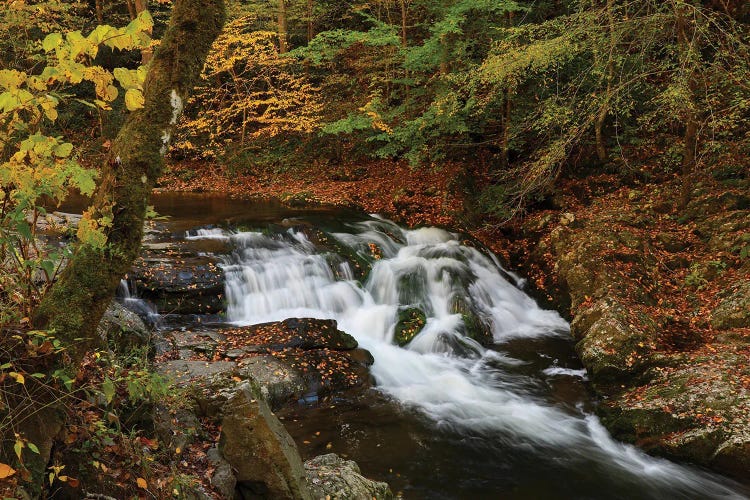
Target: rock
x=188 y=285
x=611 y=346
x=673 y=242
x=183 y=371
x=175 y=428
x=474 y=327
x=734 y=309
x=123 y=329
x=567 y=218
x=410 y=323
x=412 y=287
x=259 y=449
x=222 y=479
x=276 y=380
x=294 y=333
x=310 y=333
x=330 y=476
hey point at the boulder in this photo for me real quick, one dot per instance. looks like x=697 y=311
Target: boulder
x=123 y=329
x=410 y=322
x=734 y=309
x=261 y=452
x=330 y=476
x=222 y=478
x=185 y=285
x=474 y=327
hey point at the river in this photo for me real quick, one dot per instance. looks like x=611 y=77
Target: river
x=447 y=417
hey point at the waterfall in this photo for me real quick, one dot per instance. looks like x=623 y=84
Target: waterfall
x=462 y=387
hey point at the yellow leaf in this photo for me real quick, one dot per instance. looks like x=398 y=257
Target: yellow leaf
x=6 y=471
x=19 y=378
x=141 y=483
x=134 y=99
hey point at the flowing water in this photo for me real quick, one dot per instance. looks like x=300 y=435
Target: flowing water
x=449 y=418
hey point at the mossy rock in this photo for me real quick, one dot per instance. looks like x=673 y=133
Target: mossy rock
x=734 y=309
x=474 y=327
x=412 y=287
x=359 y=264
x=410 y=323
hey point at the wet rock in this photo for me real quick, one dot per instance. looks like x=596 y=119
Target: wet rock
x=123 y=329
x=734 y=309
x=694 y=410
x=330 y=476
x=261 y=452
x=309 y=333
x=412 y=287
x=474 y=326
x=410 y=323
x=663 y=387
x=188 y=285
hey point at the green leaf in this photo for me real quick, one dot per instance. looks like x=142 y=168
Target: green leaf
x=17 y=448
x=48 y=266
x=51 y=41
x=108 y=389
x=63 y=150
x=84 y=179
x=33 y=448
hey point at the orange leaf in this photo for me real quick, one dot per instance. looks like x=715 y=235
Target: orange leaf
x=6 y=471
x=141 y=483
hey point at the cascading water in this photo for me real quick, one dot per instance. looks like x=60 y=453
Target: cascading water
x=463 y=388
x=139 y=306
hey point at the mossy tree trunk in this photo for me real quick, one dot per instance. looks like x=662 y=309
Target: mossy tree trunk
x=76 y=302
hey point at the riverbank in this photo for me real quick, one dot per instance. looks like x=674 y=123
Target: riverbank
x=657 y=296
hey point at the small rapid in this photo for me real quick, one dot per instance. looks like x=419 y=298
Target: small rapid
x=466 y=390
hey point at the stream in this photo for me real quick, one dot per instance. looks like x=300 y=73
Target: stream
x=447 y=417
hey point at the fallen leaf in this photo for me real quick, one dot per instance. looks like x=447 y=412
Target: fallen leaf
x=6 y=471
x=141 y=483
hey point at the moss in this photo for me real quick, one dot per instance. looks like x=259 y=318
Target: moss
x=410 y=323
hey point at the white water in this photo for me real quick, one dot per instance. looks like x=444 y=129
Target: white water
x=450 y=378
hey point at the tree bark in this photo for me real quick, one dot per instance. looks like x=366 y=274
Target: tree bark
x=310 y=30
x=148 y=52
x=131 y=9
x=690 y=113
x=283 y=46
x=99 y=11
x=601 y=140
x=76 y=302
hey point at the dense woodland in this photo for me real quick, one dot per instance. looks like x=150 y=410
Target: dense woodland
x=513 y=98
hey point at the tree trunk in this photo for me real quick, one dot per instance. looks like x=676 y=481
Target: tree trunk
x=690 y=114
x=310 y=31
x=99 y=11
x=131 y=9
x=76 y=302
x=283 y=47
x=148 y=52
x=404 y=13
x=601 y=140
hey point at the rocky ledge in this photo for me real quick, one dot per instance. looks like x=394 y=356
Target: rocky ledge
x=237 y=377
x=660 y=305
